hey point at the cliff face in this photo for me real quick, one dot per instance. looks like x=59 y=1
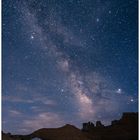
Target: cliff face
x=124 y=129
x=129 y=119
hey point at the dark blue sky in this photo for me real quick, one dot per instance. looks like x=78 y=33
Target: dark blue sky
x=68 y=62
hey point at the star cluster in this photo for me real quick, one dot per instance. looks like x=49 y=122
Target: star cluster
x=68 y=62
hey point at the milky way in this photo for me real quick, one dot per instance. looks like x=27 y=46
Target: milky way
x=68 y=62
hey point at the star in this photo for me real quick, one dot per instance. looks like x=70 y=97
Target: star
x=97 y=19
x=92 y=38
x=109 y=11
x=32 y=37
x=26 y=57
x=62 y=90
x=119 y=90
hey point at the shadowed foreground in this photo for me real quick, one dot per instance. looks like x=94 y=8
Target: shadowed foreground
x=124 y=129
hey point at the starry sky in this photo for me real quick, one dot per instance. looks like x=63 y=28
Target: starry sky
x=68 y=61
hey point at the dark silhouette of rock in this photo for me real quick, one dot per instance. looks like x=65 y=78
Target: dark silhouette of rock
x=99 y=124
x=129 y=119
x=124 y=129
x=8 y=136
x=115 y=122
x=87 y=126
x=67 y=132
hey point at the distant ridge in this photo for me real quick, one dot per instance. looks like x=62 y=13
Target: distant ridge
x=125 y=128
x=66 y=132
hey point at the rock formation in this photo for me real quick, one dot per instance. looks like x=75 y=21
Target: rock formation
x=124 y=129
x=67 y=132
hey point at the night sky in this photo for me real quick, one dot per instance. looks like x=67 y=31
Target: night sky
x=68 y=61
